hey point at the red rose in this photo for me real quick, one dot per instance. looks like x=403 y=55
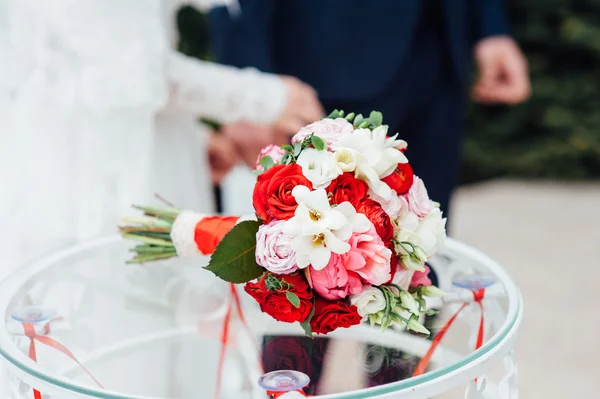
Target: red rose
x=331 y=315
x=380 y=219
x=272 y=197
x=287 y=353
x=270 y=293
x=401 y=179
x=347 y=188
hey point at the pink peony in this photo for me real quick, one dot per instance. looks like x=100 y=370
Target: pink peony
x=271 y=150
x=329 y=130
x=273 y=249
x=421 y=278
x=334 y=281
x=418 y=199
x=369 y=257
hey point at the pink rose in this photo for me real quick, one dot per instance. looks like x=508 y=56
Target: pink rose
x=334 y=281
x=418 y=199
x=271 y=150
x=273 y=249
x=393 y=207
x=369 y=257
x=329 y=130
x=403 y=277
x=421 y=278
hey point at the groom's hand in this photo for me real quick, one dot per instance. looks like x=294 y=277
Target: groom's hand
x=503 y=75
x=221 y=156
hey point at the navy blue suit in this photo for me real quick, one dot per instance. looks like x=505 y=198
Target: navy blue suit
x=406 y=58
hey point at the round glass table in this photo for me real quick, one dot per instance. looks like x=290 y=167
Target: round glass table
x=82 y=323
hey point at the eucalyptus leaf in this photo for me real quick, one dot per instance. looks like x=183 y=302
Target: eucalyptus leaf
x=363 y=124
x=358 y=120
x=376 y=118
x=293 y=298
x=318 y=143
x=234 y=260
x=350 y=117
x=297 y=148
x=287 y=147
x=334 y=115
x=267 y=162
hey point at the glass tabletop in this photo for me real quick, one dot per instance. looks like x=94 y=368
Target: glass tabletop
x=102 y=328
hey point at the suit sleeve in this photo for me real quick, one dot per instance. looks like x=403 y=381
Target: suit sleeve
x=243 y=38
x=492 y=18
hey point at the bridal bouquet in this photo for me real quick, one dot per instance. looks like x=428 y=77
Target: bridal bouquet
x=342 y=232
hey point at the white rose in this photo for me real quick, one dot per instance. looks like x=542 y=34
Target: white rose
x=403 y=277
x=370 y=301
x=273 y=249
x=432 y=232
x=319 y=167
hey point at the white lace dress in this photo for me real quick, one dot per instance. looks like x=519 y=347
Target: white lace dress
x=98 y=111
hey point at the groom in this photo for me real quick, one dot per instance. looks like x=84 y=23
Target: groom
x=406 y=58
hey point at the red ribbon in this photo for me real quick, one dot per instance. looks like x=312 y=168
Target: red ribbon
x=477 y=297
x=210 y=231
x=207 y=234
x=276 y=394
x=29 y=330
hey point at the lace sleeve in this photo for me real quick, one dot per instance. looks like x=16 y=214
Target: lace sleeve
x=223 y=93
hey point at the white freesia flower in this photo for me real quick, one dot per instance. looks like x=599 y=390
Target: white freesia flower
x=376 y=156
x=319 y=229
x=346 y=159
x=319 y=167
x=370 y=301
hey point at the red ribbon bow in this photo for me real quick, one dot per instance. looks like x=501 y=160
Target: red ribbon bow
x=29 y=330
x=477 y=297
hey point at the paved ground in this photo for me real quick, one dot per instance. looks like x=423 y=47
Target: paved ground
x=548 y=236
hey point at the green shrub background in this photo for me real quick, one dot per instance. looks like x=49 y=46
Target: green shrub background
x=556 y=134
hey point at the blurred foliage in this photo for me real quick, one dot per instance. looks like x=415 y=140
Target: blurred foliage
x=556 y=134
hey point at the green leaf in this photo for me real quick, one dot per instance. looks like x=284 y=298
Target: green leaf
x=363 y=124
x=306 y=323
x=293 y=298
x=350 y=117
x=334 y=115
x=287 y=147
x=341 y=113
x=297 y=148
x=267 y=162
x=318 y=143
x=376 y=118
x=358 y=120
x=234 y=260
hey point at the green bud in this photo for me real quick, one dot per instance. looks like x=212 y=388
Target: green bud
x=432 y=291
x=415 y=326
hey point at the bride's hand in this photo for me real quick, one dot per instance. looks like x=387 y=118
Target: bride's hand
x=302 y=107
x=221 y=156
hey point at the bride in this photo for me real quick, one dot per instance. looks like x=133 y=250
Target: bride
x=98 y=111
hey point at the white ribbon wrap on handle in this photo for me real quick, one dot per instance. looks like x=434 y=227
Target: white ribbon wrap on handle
x=183 y=232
